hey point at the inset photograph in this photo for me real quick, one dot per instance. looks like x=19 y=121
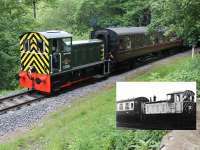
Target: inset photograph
x=156 y=105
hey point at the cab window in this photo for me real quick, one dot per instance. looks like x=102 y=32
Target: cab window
x=66 y=44
x=26 y=45
x=41 y=46
x=54 y=46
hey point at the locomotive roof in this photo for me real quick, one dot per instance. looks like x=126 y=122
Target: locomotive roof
x=82 y=42
x=129 y=30
x=177 y=92
x=54 y=34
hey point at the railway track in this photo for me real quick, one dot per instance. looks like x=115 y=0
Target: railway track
x=18 y=101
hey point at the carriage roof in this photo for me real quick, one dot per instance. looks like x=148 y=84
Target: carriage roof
x=138 y=99
x=86 y=42
x=129 y=30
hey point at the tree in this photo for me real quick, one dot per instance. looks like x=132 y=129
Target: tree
x=180 y=16
x=13 y=21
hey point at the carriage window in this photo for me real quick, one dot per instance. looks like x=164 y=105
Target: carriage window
x=127 y=106
x=26 y=45
x=121 y=106
x=125 y=43
x=163 y=108
x=147 y=40
x=139 y=40
x=132 y=105
x=178 y=98
x=122 y=44
x=128 y=43
x=40 y=45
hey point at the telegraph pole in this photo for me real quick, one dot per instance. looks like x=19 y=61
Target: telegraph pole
x=34 y=8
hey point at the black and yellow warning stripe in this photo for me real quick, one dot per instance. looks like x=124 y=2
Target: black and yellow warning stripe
x=33 y=57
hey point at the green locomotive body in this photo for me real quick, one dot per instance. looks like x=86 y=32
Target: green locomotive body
x=85 y=60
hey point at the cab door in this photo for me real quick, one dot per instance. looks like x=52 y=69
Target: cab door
x=65 y=47
x=61 y=55
x=55 y=57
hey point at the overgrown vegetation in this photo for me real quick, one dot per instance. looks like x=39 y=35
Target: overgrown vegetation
x=180 y=17
x=189 y=71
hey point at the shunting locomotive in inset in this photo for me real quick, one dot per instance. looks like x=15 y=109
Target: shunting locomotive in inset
x=177 y=112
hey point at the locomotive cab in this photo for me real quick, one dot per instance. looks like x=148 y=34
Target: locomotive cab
x=183 y=96
x=60 y=54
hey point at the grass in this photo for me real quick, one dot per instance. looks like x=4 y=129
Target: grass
x=89 y=123
x=160 y=71
x=6 y=92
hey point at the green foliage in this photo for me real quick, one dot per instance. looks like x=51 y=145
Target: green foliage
x=79 y=17
x=190 y=71
x=14 y=21
x=180 y=17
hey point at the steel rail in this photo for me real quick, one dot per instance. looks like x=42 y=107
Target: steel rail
x=19 y=100
x=15 y=95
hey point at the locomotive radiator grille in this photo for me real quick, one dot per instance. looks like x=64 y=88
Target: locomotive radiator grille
x=189 y=107
x=32 y=55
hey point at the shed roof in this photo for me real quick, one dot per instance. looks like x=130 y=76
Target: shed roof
x=54 y=34
x=129 y=30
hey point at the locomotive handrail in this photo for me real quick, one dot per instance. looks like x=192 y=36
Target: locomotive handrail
x=51 y=59
x=60 y=62
x=29 y=73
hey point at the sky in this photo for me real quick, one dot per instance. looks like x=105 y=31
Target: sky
x=126 y=90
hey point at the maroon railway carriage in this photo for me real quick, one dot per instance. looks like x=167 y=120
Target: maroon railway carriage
x=125 y=43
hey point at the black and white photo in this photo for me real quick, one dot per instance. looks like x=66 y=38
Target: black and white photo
x=156 y=105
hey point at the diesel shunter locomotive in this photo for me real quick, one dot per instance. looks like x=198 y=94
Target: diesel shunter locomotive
x=51 y=60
